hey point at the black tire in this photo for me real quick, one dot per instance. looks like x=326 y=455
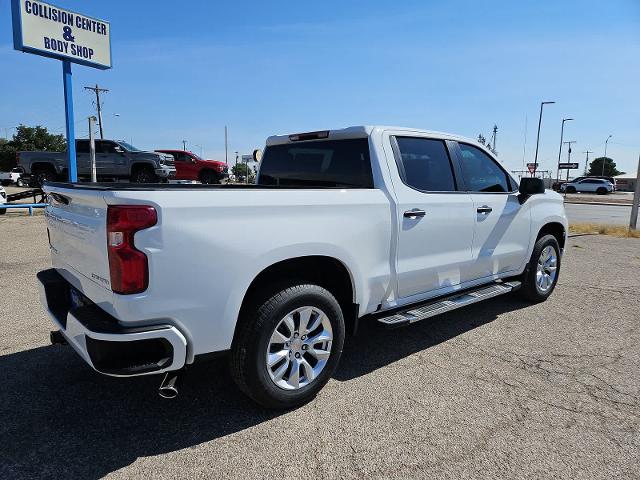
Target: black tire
x=571 y=190
x=144 y=174
x=20 y=182
x=209 y=177
x=530 y=290
x=43 y=175
x=6 y=183
x=248 y=363
x=601 y=191
x=3 y=211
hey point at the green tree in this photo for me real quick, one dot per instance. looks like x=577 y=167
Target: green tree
x=240 y=170
x=29 y=139
x=610 y=170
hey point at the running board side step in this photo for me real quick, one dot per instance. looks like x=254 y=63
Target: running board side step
x=446 y=304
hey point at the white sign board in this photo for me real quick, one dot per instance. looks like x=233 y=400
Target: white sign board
x=45 y=29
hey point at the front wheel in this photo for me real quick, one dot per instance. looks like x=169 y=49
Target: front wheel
x=541 y=276
x=602 y=191
x=287 y=347
x=571 y=190
x=209 y=177
x=144 y=174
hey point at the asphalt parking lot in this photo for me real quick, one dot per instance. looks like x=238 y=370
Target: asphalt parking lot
x=500 y=389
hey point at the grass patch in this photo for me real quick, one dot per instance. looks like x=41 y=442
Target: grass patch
x=598 y=229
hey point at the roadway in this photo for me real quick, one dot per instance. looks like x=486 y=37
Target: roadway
x=602 y=214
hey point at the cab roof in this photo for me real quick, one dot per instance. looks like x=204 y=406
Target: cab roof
x=360 y=131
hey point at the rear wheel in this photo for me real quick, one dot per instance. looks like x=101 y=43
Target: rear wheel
x=288 y=346
x=209 y=177
x=44 y=174
x=20 y=182
x=3 y=211
x=143 y=174
x=541 y=276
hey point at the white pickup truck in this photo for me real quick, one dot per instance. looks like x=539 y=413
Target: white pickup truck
x=376 y=224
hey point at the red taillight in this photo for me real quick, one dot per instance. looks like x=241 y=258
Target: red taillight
x=127 y=265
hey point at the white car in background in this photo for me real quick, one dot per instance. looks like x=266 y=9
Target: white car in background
x=14 y=177
x=3 y=200
x=591 y=185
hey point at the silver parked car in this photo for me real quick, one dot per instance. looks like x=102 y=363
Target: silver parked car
x=590 y=185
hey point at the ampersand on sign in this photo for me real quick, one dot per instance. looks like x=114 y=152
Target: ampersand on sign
x=66 y=34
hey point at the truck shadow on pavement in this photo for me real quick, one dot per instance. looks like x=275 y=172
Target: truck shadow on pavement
x=60 y=419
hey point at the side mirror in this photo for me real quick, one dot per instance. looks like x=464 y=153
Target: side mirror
x=530 y=186
x=257 y=155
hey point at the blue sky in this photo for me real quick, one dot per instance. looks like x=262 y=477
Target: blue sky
x=183 y=70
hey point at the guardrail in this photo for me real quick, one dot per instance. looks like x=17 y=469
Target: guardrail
x=30 y=206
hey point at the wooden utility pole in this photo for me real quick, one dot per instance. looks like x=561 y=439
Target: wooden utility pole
x=97 y=91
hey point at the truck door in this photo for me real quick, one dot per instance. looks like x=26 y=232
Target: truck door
x=188 y=169
x=82 y=157
x=502 y=225
x=111 y=159
x=435 y=219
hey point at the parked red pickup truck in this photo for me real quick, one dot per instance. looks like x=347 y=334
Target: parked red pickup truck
x=189 y=166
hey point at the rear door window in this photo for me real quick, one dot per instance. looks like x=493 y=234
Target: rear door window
x=82 y=146
x=481 y=172
x=326 y=163
x=103 y=146
x=425 y=164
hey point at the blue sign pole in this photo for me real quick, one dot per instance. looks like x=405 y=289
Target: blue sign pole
x=68 y=110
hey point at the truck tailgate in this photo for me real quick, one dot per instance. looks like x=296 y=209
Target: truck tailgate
x=76 y=220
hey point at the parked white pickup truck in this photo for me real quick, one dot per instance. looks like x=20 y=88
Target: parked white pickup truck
x=378 y=224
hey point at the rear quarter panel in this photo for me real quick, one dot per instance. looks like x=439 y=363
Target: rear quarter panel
x=208 y=246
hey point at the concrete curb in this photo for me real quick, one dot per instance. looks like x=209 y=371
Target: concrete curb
x=600 y=203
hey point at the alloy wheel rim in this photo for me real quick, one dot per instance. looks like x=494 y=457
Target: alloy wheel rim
x=547 y=269
x=299 y=348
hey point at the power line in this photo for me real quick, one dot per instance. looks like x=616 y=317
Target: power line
x=97 y=91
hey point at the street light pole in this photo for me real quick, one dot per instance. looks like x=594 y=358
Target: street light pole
x=568 y=161
x=605 y=153
x=535 y=161
x=226 y=159
x=560 y=151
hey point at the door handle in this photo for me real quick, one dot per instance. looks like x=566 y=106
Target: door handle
x=415 y=213
x=485 y=209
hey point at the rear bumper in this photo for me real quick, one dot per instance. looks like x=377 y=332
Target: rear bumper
x=103 y=343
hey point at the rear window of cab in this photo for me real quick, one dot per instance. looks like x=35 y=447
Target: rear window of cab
x=326 y=163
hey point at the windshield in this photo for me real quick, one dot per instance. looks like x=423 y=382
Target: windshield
x=129 y=147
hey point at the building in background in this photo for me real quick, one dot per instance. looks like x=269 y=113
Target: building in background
x=626 y=182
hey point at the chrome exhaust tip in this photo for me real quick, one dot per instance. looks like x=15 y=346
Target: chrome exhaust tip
x=169 y=385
